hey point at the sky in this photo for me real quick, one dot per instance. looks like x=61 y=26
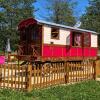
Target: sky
x=41 y=4
x=41 y=13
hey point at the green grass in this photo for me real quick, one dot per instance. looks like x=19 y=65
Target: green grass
x=89 y=90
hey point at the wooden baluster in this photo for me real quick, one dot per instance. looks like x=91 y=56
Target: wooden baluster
x=35 y=75
x=14 y=75
x=60 y=73
x=76 y=71
x=1 y=75
x=40 y=75
x=57 y=66
x=18 y=76
x=54 y=73
x=29 y=78
x=38 y=79
x=4 y=76
x=51 y=74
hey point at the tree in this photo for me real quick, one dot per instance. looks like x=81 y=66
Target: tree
x=91 y=19
x=12 y=12
x=61 y=12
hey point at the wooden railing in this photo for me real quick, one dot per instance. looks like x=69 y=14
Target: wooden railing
x=13 y=76
x=40 y=75
x=32 y=51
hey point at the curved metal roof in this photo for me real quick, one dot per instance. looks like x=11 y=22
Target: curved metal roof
x=30 y=21
x=64 y=26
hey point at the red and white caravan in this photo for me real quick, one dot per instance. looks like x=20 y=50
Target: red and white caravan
x=43 y=40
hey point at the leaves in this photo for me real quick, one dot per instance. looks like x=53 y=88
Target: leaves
x=91 y=19
x=61 y=12
x=13 y=11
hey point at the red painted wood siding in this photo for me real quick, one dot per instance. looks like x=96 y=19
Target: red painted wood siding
x=67 y=51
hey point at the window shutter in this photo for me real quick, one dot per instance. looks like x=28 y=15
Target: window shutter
x=87 y=39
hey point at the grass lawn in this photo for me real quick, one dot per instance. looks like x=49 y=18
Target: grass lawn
x=89 y=90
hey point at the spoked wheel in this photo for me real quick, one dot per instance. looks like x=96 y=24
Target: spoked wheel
x=47 y=69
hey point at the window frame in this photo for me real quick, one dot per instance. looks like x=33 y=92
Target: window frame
x=89 y=38
x=57 y=32
x=83 y=39
x=73 y=39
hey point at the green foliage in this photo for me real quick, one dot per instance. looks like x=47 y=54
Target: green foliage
x=89 y=90
x=12 y=12
x=91 y=19
x=61 y=12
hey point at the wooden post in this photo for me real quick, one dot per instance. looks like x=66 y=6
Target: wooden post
x=0 y=74
x=66 y=71
x=9 y=56
x=95 y=69
x=29 y=88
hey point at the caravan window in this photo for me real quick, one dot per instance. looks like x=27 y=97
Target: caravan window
x=81 y=39
x=76 y=39
x=87 y=40
x=54 y=33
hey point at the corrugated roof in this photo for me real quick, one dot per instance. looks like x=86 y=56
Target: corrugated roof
x=64 y=26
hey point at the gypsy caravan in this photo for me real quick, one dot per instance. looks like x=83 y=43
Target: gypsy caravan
x=46 y=41
x=50 y=54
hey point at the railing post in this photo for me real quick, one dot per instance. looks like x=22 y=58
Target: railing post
x=29 y=88
x=95 y=70
x=66 y=72
x=0 y=74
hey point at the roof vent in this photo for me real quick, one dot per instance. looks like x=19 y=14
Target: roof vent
x=78 y=24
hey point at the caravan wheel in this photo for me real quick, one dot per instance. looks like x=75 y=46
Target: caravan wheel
x=47 y=69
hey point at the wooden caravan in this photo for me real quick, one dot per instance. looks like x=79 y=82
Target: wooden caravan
x=45 y=41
